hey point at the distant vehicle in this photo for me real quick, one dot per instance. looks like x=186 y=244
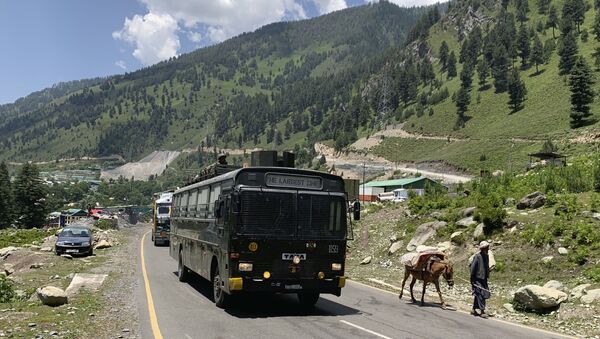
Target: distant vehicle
x=161 y=220
x=263 y=229
x=397 y=195
x=74 y=240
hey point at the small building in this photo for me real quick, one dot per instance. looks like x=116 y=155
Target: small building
x=368 y=193
x=71 y=215
x=418 y=185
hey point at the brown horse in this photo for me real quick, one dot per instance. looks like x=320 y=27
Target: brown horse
x=437 y=268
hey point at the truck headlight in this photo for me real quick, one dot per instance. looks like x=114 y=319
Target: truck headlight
x=336 y=267
x=245 y=267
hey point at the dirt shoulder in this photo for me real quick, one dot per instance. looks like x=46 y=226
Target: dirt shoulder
x=109 y=312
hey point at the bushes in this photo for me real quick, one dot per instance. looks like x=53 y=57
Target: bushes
x=538 y=236
x=490 y=211
x=7 y=291
x=594 y=274
x=579 y=255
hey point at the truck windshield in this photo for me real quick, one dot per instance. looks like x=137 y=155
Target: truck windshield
x=287 y=214
x=163 y=210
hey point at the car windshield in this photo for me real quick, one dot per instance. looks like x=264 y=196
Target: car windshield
x=75 y=232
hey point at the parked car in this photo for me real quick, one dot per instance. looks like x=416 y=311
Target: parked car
x=74 y=240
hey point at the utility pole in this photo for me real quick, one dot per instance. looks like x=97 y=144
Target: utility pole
x=365 y=237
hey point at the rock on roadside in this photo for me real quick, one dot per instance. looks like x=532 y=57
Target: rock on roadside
x=533 y=200
x=102 y=244
x=366 y=260
x=539 y=298
x=466 y=222
x=52 y=296
x=592 y=296
x=423 y=233
x=395 y=247
x=578 y=291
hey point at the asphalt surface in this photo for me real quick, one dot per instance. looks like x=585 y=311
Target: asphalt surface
x=185 y=310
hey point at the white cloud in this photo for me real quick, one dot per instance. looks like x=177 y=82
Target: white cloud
x=121 y=64
x=326 y=6
x=194 y=36
x=153 y=35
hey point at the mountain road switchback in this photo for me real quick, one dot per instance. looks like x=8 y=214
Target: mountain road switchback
x=171 y=309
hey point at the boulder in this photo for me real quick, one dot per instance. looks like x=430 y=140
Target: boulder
x=366 y=260
x=592 y=296
x=87 y=281
x=67 y=256
x=478 y=233
x=509 y=307
x=395 y=247
x=468 y=212
x=509 y=202
x=437 y=215
x=445 y=246
x=578 y=291
x=46 y=249
x=424 y=248
x=596 y=216
x=102 y=244
x=457 y=238
x=539 y=298
x=555 y=284
x=52 y=296
x=533 y=200
x=547 y=259
x=466 y=222
x=563 y=251
x=393 y=238
x=9 y=269
x=6 y=251
x=423 y=233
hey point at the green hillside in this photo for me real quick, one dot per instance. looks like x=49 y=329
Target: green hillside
x=494 y=137
x=244 y=91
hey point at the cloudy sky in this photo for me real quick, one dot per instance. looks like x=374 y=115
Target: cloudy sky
x=45 y=42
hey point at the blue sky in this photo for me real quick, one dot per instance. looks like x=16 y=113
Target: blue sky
x=46 y=42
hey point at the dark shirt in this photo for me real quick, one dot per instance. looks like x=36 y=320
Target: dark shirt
x=480 y=267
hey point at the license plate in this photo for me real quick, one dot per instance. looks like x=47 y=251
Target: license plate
x=293 y=287
x=72 y=251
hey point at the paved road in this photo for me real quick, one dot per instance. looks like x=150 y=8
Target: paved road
x=185 y=310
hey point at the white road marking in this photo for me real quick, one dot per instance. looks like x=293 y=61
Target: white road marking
x=365 y=329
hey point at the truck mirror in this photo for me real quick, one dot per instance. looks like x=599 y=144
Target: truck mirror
x=356 y=210
x=217 y=210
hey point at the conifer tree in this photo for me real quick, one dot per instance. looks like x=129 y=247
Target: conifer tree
x=522 y=10
x=582 y=93
x=444 y=50
x=596 y=26
x=567 y=52
x=427 y=73
x=451 y=65
x=543 y=6
x=30 y=197
x=516 y=91
x=500 y=68
x=7 y=204
x=463 y=99
x=466 y=76
x=596 y=4
x=523 y=45
x=596 y=56
x=552 y=20
x=483 y=71
x=537 y=53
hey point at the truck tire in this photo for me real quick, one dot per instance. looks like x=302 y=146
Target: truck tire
x=308 y=299
x=220 y=297
x=182 y=271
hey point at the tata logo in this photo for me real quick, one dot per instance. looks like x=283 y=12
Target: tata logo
x=290 y=256
x=334 y=249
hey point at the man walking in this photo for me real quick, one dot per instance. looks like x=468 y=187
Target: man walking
x=480 y=272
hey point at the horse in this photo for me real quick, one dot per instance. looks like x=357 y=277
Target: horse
x=438 y=268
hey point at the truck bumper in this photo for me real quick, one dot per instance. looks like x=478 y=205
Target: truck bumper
x=327 y=286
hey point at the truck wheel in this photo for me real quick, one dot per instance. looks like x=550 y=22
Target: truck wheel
x=220 y=297
x=308 y=299
x=182 y=271
x=155 y=242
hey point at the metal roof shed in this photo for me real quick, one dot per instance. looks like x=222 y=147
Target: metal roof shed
x=409 y=183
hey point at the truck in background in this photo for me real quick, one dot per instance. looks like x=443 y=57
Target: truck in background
x=161 y=217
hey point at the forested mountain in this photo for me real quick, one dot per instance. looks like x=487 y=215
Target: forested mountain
x=285 y=79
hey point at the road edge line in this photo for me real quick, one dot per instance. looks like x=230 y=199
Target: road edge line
x=365 y=329
x=151 y=310
x=467 y=313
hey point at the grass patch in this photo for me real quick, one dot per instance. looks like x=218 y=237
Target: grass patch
x=13 y=237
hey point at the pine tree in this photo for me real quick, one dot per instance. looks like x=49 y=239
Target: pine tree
x=596 y=56
x=463 y=99
x=427 y=73
x=7 y=204
x=567 y=52
x=500 y=68
x=537 y=53
x=278 y=138
x=516 y=91
x=451 y=66
x=30 y=197
x=596 y=26
x=444 y=50
x=483 y=71
x=596 y=4
x=523 y=44
x=522 y=10
x=543 y=6
x=552 y=20
x=466 y=76
x=582 y=93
